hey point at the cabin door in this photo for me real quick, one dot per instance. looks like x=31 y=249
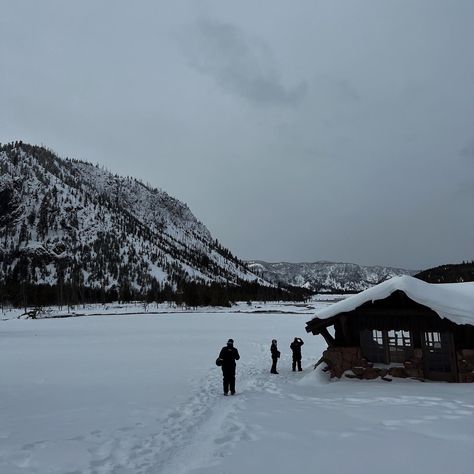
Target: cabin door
x=438 y=356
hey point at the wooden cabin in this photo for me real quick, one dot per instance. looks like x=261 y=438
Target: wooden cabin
x=403 y=327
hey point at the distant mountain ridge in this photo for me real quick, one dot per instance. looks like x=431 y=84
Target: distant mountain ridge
x=450 y=273
x=325 y=277
x=69 y=222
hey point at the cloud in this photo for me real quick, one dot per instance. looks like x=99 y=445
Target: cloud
x=241 y=65
x=467 y=151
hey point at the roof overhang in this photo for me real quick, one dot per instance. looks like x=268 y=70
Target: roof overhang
x=452 y=301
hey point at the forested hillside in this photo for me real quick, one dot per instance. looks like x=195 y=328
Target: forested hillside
x=73 y=232
x=452 y=273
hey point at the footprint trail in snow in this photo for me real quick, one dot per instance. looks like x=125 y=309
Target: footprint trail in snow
x=199 y=432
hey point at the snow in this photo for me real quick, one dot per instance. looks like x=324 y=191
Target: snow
x=141 y=394
x=454 y=301
x=137 y=308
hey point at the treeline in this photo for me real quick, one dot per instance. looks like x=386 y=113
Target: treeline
x=453 y=273
x=197 y=294
x=188 y=293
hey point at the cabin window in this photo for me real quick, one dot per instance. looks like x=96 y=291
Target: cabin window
x=377 y=337
x=399 y=345
x=433 y=341
x=387 y=346
x=373 y=345
x=437 y=353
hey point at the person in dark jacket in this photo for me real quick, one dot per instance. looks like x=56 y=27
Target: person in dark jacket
x=295 y=346
x=275 y=356
x=228 y=355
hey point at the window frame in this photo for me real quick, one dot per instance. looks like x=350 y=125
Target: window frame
x=378 y=347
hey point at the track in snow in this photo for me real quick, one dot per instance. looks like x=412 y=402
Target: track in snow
x=197 y=433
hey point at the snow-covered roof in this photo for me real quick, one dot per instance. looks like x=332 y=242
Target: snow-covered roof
x=454 y=301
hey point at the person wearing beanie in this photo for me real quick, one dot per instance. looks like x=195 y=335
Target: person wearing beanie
x=275 y=356
x=227 y=357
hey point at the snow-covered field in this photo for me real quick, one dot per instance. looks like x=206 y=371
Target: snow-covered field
x=141 y=394
x=111 y=309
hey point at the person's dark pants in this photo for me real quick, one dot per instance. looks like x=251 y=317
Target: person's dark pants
x=273 y=370
x=297 y=362
x=229 y=380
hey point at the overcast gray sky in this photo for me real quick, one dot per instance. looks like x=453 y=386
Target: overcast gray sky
x=296 y=131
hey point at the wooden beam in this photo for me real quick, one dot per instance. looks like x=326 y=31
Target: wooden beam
x=328 y=338
x=315 y=325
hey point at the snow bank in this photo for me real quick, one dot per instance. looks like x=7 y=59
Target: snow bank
x=315 y=377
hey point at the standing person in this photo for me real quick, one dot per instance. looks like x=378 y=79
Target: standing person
x=227 y=357
x=295 y=346
x=275 y=356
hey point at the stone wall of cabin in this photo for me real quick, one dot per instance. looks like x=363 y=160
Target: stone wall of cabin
x=349 y=361
x=341 y=359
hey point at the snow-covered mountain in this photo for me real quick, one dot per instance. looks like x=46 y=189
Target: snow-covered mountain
x=69 y=226
x=69 y=222
x=325 y=276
